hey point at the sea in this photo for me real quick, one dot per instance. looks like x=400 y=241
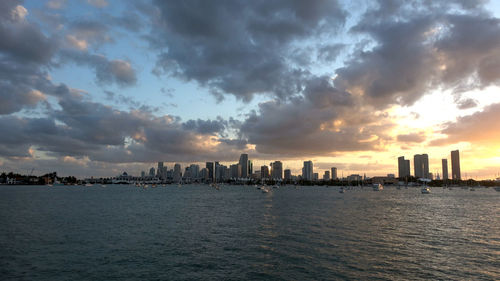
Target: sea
x=195 y=232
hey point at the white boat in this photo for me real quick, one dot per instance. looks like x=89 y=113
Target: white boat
x=265 y=190
x=88 y=185
x=341 y=190
x=377 y=187
x=425 y=190
x=103 y=185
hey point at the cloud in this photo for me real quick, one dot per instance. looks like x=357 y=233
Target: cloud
x=257 y=36
x=479 y=128
x=106 y=71
x=411 y=138
x=56 y=4
x=98 y=3
x=467 y=103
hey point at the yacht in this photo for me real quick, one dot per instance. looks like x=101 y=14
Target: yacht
x=377 y=187
x=265 y=190
x=341 y=190
x=425 y=190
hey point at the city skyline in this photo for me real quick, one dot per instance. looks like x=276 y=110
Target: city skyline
x=95 y=88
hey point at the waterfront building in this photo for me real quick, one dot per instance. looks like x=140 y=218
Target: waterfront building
x=210 y=170
x=194 y=170
x=307 y=171
x=235 y=171
x=403 y=167
x=288 y=174
x=334 y=173
x=177 y=173
x=326 y=176
x=264 y=172
x=315 y=176
x=455 y=165
x=444 y=163
x=244 y=165
x=143 y=174
x=277 y=170
x=421 y=165
x=152 y=172
x=250 y=167
x=159 y=170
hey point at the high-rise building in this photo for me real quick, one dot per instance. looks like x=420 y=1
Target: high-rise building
x=177 y=173
x=264 y=172
x=326 y=176
x=455 y=165
x=143 y=174
x=250 y=167
x=403 y=167
x=277 y=170
x=307 y=171
x=421 y=165
x=315 y=176
x=444 y=163
x=334 y=173
x=194 y=170
x=152 y=172
x=210 y=170
x=244 y=165
x=288 y=174
x=235 y=171
x=159 y=170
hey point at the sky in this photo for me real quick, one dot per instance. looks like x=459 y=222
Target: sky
x=98 y=87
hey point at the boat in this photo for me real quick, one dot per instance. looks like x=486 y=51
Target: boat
x=88 y=185
x=377 y=187
x=497 y=188
x=103 y=185
x=425 y=190
x=265 y=190
x=341 y=190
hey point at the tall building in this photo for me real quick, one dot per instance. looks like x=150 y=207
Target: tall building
x=334 y=173
x=250 y=167
x=403 y=167
x=152 y=172
x=288 y=174
x=235 y=171
x=444 y=163
x=194 y=170
x=264 y=172
x=244 y=165
x=177 y=173
x=326 y=176
x=455 y=165
x=307 y=171
x=277 y=170
x=210 y=170
x=421 y=165
x=159 y=170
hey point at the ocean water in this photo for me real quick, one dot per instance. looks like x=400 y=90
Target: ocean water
x=240 y=233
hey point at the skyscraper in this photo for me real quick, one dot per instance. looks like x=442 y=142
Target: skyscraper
x=177 y=173
x=334 y=173
x=277 y=170
x=264 y=172
x=244 y=165
x=152 y=172
x=403 y=167
x=235 y=171
x=307 y=171
x=250 y=168
x=288 y=174
x=159 y=170
x=210 y=170
x=326 y=176
x=444 y=163
x=455 y=165
x=421 y=165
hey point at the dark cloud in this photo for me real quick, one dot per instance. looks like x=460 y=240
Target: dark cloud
x=206 y=126
x=466 y=103
x=328 y=53
x=240 y=47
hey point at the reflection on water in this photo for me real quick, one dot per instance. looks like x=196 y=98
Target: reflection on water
x=195 y=232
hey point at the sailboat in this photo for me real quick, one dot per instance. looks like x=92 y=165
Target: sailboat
x=425 y=188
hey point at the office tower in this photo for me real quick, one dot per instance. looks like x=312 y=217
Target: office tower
x=217 y=171
x=444 y=163
x=177 y=173
x=244 y=165
x=421 y=165
x=194 y=170
x=264 y=172
x=307 y=171
x=277 y=170
x=210 y=170
x=326 y=176
x=143 y=174
x=455 y=165
x=250 y=167
x=403 y=167
x=152 y=172
x=235 y=171
x=159 y=170
x=315 y=176
x=334 y=173
x=288 y=174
